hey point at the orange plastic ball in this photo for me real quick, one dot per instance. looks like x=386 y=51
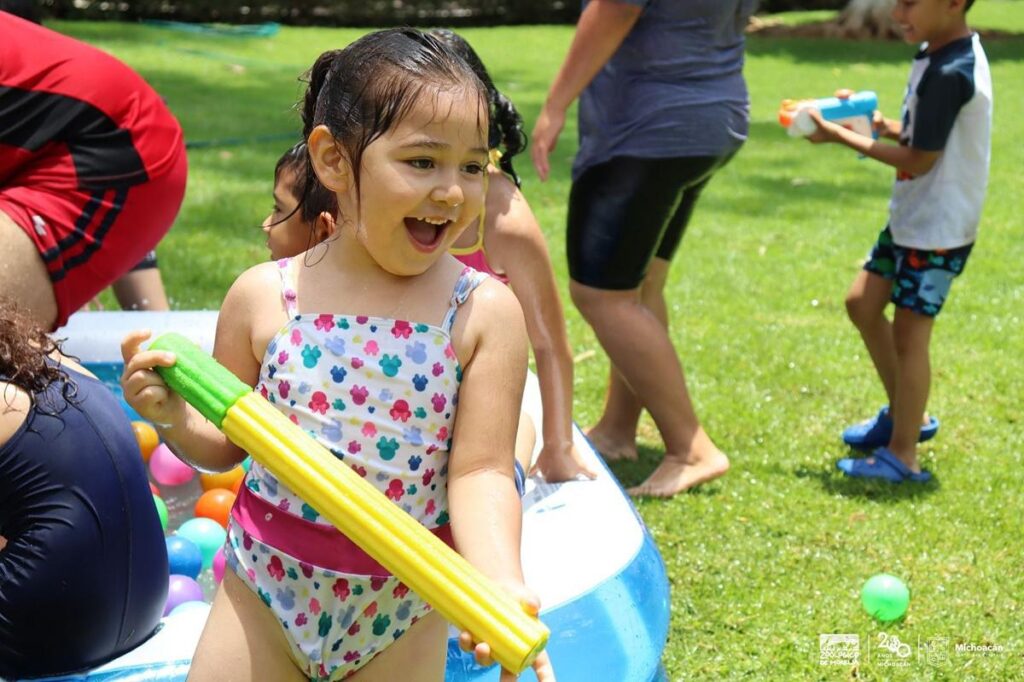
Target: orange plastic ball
x=146 y=437
x=229 y=480
x=215 y=504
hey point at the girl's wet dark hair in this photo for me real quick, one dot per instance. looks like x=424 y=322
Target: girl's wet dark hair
x=366 y=89
x=506 y=129
x=318 y=199
x=24 y=347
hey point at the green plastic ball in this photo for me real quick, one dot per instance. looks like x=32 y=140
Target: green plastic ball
x=161 y=510
x=885 y=597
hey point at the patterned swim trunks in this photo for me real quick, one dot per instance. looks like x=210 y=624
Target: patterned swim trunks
x=920 y=279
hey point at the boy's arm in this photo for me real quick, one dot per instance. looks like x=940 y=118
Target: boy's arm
x=940 y=95
x=904 y=158
x=889 y=128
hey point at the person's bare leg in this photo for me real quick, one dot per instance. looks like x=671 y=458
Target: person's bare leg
x=242 y=640
x=639 y=346
x=614 y=435
x=23 y=275
x=141 y=290
x=912 y=335
x=865 y=304
x=417 y=656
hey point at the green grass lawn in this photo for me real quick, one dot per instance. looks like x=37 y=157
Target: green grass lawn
x=766 y=559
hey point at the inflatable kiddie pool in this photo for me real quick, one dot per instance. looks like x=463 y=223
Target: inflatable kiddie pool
x=585 y=550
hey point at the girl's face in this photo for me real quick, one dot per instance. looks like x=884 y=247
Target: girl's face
x=289 y=237
x=422 y=182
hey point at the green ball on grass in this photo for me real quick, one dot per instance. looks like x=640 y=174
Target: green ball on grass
x=885 y=597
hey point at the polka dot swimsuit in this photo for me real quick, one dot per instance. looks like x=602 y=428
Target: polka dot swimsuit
x=381 y=395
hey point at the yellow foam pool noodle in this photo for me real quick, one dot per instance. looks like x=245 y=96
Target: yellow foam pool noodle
x=433 y=570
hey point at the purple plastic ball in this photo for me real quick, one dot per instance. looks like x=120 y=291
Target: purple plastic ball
x=181 y=589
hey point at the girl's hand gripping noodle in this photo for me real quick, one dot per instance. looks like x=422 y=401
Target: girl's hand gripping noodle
x=398 y=542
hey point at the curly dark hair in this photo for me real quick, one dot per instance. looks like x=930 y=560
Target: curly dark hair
x=506 y=131
x=24 y=347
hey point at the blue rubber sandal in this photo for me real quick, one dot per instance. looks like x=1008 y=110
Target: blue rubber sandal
x=876 y=432
x=881 y=464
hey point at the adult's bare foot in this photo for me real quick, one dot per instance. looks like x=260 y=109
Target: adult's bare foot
x=612 y=448
x=677 y=473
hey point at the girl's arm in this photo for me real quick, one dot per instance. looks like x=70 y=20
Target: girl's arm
x=903 y=158
x=516 y=245
x=181 y=426
x=490 y=342
x=484 y=507
x=602 y=27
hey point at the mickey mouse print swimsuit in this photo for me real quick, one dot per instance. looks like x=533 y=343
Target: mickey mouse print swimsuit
x=381 y=395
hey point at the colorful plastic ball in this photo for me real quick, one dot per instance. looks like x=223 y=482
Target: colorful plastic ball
x=161 y=511
x=153 y=489
x=215 y=504
x=225 y=479
x=181 y=589
x=247 y=464
x=219 y=564
x=167 y=469
x=183 y=556
x=207 y=534
x=885 y=597
x=146 y=437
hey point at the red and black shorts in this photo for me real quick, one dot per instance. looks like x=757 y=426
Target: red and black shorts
x=90 y=233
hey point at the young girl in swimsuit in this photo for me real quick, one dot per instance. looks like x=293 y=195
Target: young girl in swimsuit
x=505 y=242
x=380 y=349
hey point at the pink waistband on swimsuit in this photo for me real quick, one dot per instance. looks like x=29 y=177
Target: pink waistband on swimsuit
x=323 y=546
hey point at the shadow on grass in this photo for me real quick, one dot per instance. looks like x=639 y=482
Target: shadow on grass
x=835 y=483
x=635 y=472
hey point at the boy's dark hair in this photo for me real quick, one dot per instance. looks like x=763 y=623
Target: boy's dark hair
x=362 y=91
x=506 y=129
x=24 y=347
x=318 y=199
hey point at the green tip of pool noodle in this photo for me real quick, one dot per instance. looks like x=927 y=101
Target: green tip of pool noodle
x=202 y=381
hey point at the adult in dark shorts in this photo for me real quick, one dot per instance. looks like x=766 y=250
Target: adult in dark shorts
x=92 y=174
x=83 y=563
x=663 y=106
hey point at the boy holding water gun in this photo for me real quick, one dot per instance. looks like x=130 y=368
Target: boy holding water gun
x=941 y=166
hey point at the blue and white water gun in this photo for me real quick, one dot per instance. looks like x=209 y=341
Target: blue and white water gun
x=853 y=110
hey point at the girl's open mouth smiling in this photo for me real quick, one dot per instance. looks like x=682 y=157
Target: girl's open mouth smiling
x=426 y=233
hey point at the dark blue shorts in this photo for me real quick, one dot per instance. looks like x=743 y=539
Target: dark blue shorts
x=920 y=279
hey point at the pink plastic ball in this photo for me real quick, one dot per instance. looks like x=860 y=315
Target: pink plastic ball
x=181 y=589
x=167 y=469
x=219 y=564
